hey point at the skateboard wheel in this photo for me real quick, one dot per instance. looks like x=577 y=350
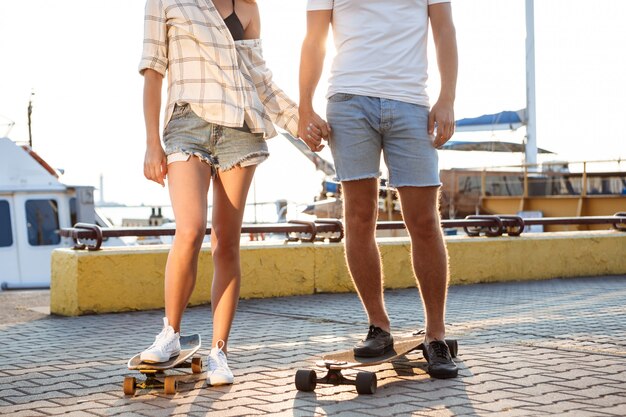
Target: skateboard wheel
x=306 y=380
x=130 y=385
x=170 y=385
x=366 y=383
x=196 y=365
x=453 y=345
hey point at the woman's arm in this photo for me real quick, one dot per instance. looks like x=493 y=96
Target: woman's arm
x=155 y=161
x=279 y=107
x=251 y=15
x=153 y=66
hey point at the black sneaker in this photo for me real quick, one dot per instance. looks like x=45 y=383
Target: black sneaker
x=376 y=343
x=440 y=364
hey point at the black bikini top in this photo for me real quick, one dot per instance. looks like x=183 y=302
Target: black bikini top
x=234 y=25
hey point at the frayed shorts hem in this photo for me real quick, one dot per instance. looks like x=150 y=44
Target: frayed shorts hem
x=359 y=177
x=438 y=184
x=183 y=155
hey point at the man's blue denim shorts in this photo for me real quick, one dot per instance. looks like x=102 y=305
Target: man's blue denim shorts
x=223 y=148
x=364 y=126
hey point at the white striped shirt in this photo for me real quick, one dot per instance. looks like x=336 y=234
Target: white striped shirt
x=225 y=82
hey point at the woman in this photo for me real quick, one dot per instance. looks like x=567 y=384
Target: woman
x=221 y=107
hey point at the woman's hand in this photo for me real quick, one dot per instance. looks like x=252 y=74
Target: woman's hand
x=312 y=129
x=155 y=163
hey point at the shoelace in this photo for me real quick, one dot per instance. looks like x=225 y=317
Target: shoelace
x=373 y=332
x=218 y=361
x=440 y=349
x=160 y=336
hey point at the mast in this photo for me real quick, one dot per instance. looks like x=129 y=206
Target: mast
x=30 y=111
x=531 y=115
x=101 y=188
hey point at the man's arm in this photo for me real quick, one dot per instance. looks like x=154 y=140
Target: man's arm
x=311 y=127
x=155 y=162
x=444 y=35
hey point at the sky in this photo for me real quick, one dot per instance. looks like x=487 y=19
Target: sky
x=77 y=60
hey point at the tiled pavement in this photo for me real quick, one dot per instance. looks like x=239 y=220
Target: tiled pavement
x=553 y=347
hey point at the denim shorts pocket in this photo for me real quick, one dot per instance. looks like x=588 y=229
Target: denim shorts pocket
x=338 y=97
x=179 y=110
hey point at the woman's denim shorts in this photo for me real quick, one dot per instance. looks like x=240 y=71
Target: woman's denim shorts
x=222 y=147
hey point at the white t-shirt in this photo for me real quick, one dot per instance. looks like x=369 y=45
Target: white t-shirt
x=381 y=47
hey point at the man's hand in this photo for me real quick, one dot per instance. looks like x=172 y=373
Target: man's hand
x=312 y=129
x=155 y=164
x=444 y=36
x=442 y=117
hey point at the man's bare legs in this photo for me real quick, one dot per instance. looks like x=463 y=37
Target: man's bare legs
x=362 y=255
x=429 y=255
x=188 y=184
x=230 y=190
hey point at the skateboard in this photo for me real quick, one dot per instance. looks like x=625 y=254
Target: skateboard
x=155 y=375
x=365 y=382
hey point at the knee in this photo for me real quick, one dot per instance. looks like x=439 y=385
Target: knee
x=361 y=218
x=225 y=248
x=222 y=252
x=189 y=236
x=425 y=225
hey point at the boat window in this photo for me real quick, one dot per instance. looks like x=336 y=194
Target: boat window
x=6 y=234
x=73 y=211
x=42 y=217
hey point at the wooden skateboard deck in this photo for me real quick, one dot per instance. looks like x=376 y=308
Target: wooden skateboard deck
x=155 y=372
x=345 y=359
x=188 y=346
x=365 y=382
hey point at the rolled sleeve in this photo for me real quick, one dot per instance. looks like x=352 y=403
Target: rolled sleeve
x=313 y=5
x=278 y=106
x=154 y=54
x=282 y=110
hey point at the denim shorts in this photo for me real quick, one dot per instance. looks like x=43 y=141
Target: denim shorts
x=222 y=147
x=363 y=127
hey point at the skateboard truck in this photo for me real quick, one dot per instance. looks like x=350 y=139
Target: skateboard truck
x=307 y=380
x=155 y=373
x=158 y=379
x=365 y=382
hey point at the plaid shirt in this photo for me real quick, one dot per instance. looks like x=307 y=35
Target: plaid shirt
x=225 y=82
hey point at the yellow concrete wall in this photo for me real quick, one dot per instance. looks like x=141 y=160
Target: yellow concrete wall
x=276 y=270
x=124 y=279
x=536 y=256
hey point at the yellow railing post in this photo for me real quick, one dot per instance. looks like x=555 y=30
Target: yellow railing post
x=584 y=184
x=483 y=183
x=525 y=181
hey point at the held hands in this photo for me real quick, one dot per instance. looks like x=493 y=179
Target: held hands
x=155 y=164
x=441 y=116
x=312 y=129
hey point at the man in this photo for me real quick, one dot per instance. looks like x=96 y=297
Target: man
x=377 y=102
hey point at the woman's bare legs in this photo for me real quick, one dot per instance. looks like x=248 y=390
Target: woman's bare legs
x=230 y=190
x=188 y=183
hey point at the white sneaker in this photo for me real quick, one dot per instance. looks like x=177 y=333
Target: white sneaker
x=166 y=345
x=219 y=372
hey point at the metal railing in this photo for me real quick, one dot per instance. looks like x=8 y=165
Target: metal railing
x=333 y=231
x=576 y=183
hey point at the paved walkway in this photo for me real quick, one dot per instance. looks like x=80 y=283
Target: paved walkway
x=553 y=347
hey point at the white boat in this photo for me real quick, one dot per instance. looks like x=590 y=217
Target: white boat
x=34 y=205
